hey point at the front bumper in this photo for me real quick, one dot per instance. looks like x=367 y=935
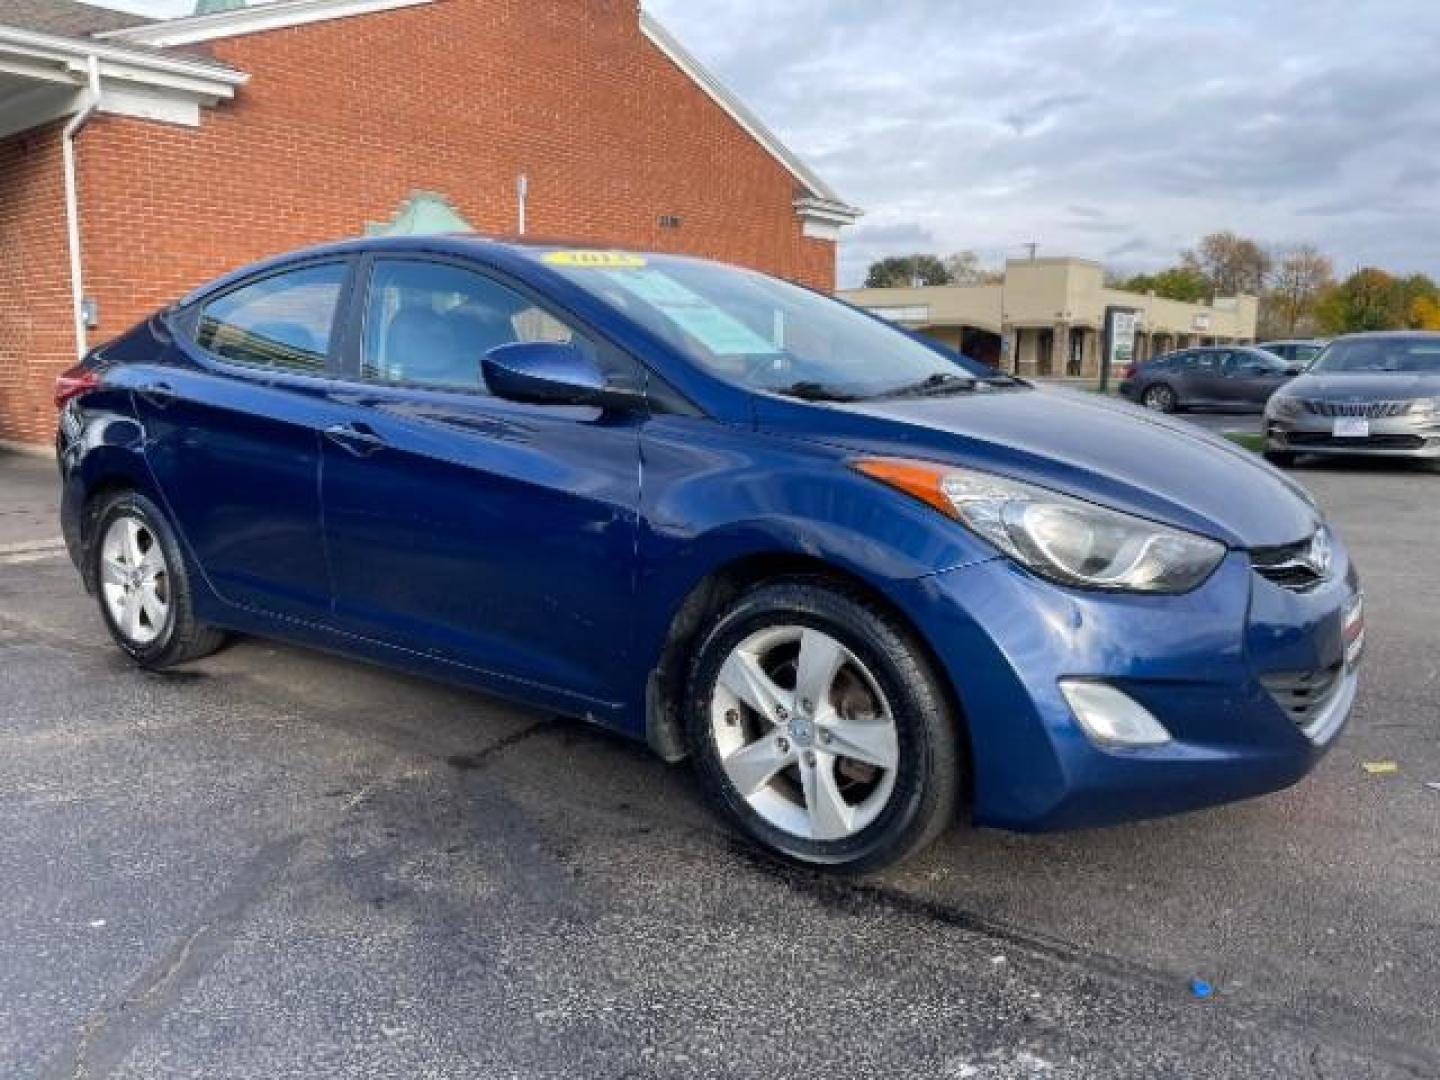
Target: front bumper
x=1199 y=663
x=1401 y=436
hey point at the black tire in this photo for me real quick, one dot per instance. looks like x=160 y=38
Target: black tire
x=928 y=775
x=1281 y=459
x=181 y=637
x=1161 y=398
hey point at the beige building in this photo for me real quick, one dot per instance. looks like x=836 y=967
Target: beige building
x=1048 y=315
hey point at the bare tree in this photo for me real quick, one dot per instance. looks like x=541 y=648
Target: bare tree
x=1233 y=264
x=1300 y=274
x=966 y=269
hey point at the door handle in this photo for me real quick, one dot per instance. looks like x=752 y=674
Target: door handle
x=360 y=439
x=159 y=394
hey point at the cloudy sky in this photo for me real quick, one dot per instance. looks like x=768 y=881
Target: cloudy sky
x=1118 y=131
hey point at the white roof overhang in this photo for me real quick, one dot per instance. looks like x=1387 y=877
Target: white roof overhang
x=43 y=77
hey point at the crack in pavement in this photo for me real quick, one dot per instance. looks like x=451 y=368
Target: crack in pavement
x=108 y=1035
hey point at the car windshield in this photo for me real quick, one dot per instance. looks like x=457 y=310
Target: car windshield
x=1409 y=355
x=764 y=334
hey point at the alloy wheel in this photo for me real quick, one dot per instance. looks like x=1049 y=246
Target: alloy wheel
x=804 y=733
x=1160 y=398
x=134 y=580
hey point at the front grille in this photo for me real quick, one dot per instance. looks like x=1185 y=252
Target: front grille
x=1287 y=565
x=1368 y=442
x=1305 y=694
x=1373 y=410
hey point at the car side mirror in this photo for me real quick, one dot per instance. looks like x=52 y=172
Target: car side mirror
x=552 y=373
x=1294 y=369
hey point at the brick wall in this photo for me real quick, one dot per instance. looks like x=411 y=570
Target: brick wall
x=342 y=120
x=36 y=338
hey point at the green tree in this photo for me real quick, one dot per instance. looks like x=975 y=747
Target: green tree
x=1421 y=294
x=1177 y=283
x=1369 y=299
x=903 y=271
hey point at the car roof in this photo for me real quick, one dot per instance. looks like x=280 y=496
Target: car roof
x=1391 y=335
x=473 y=244
x=1206 y=348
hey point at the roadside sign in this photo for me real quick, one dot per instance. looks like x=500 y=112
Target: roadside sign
x=1120 y=326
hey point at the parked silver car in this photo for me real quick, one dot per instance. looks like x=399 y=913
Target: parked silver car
x=1371 y=394
x=1301 y=352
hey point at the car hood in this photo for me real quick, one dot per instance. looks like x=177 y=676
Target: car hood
x=1086 y=445
x=1363 y=386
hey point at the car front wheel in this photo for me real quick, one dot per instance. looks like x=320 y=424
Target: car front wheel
x=143 y=586
x=818 y=726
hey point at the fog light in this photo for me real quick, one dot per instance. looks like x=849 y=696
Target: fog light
x=1111 y=718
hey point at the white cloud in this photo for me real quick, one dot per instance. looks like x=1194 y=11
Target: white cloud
x=1109 y=128
x=1112 y=130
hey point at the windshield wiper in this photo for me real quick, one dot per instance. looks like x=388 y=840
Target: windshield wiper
x=942 y=382
x=814 y=391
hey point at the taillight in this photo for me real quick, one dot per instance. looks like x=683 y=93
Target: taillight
x=1130 y=370
x=72 y=382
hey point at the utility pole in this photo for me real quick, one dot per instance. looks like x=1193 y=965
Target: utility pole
x=1032 y=248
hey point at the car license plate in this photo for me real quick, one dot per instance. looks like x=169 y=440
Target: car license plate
x=1352 y=427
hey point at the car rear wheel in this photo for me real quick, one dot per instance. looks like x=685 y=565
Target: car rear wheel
x=143 y=586
x=1161 y=398
x=818 y=726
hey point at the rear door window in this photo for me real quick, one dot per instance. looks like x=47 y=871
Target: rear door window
x=284 y=321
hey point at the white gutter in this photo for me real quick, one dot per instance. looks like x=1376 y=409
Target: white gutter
x=72 y=201
x=195 y=74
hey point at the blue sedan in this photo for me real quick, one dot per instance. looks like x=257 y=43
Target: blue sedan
x=856 y=579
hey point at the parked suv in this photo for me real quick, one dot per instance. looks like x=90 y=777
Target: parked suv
x=1235 y=377
x=854 y=577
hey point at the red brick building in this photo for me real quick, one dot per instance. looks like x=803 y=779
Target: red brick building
x=201 y=143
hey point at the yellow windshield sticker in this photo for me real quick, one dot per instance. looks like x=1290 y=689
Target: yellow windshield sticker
x=599 y=260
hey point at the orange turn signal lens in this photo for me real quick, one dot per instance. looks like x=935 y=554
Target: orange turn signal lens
x=923 y=480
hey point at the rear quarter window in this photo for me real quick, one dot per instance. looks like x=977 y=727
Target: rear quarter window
x=284 y=321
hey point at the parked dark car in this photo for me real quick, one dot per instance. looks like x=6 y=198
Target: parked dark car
x=1373 y=395
x=1298 y=352
x=1236 y=377
x=853 y=576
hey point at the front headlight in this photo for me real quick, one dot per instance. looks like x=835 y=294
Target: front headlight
x=1283 y=405
x=1067 y=540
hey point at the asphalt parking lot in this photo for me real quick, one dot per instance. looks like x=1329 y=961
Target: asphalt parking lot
x=276 y=863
